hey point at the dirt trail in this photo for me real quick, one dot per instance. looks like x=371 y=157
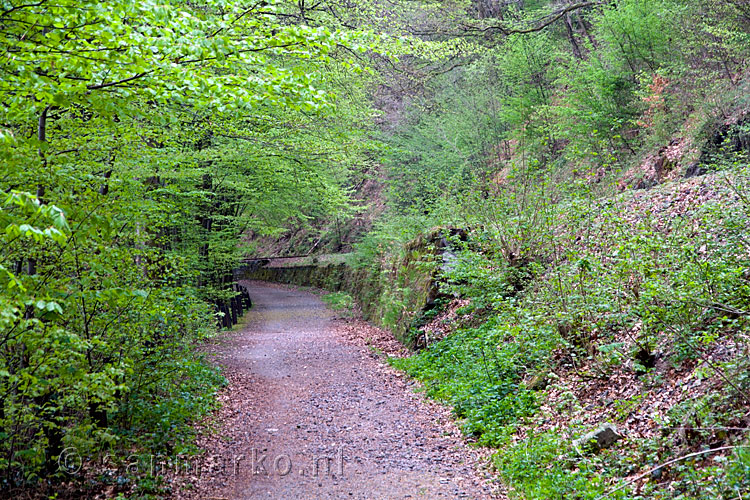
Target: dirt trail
x=330 y=420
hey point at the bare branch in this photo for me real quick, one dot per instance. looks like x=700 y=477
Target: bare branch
x=675 y=460
x=539 y=25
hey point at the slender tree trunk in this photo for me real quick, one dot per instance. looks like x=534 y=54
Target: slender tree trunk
x=583 y=24
x=204 y=219
x=572 y=37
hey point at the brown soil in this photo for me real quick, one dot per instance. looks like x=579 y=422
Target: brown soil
x=332 y=421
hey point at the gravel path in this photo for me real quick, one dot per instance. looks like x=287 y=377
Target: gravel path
x=310 y=414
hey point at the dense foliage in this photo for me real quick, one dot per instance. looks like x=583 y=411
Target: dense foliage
x=140 y=141
x=529 y=130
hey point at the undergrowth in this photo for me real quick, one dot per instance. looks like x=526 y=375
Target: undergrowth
x=341 y=302
x=609 y=287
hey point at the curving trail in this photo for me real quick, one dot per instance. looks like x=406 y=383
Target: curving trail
x=311 y=415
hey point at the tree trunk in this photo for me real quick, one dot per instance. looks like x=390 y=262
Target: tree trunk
x=572 y=37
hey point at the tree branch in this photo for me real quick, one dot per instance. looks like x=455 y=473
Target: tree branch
x=24 y=6
x=678 y=459
x=119 y=82
x=539 y=25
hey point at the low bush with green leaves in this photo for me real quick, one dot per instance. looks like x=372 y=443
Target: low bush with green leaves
x=480 y=372
x=341 y=302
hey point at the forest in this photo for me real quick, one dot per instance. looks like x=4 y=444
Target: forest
x=586 y=163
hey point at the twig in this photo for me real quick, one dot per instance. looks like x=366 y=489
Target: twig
x=705 y=359
x=670 y=462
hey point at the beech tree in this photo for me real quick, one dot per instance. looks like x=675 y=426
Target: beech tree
x=139 y=141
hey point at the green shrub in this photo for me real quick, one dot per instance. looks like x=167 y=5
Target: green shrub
x=542 y=467
x=341 y=302
x=479 y=371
